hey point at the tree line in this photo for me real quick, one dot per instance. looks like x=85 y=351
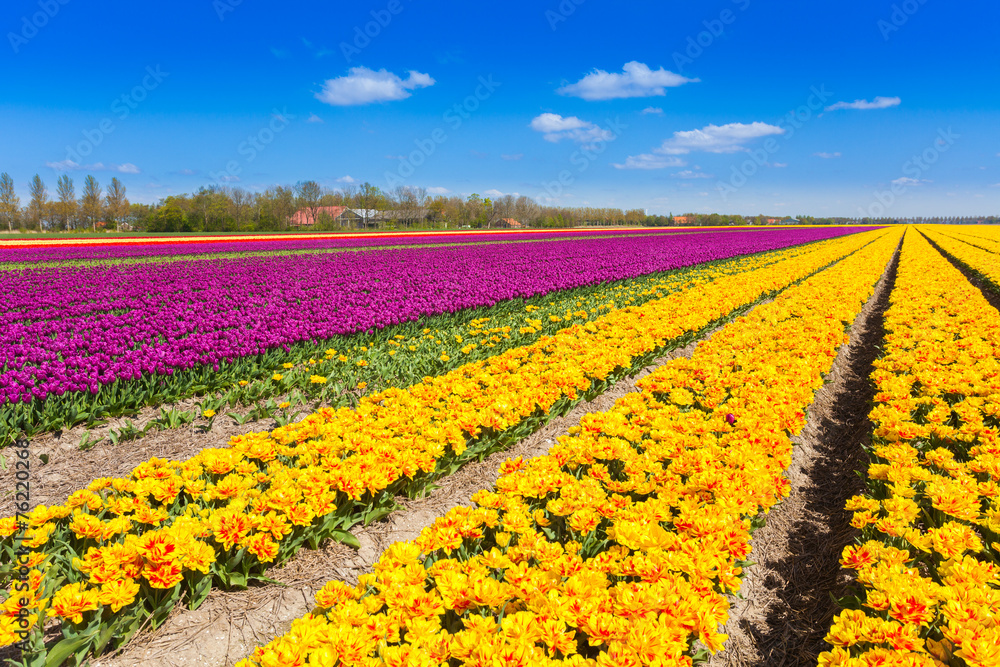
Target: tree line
x=223 y=208
x=96 y=208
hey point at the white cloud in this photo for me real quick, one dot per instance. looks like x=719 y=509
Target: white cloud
x=69 y=165
x=906 y=181
x=650 y=161
x=865 y=105
x=652 y=110
x=635 y=80
x=438 y=191
x=346 y=179
x=516 y=156
x=717 y=138
x=556 y=128
x=779 y=164
x=313 y=118
x=711 y=139
x=493 y=192
x=827 y=156
x=365 y=86
x=688 y=174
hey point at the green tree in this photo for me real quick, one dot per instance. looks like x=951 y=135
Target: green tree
x=169 y=218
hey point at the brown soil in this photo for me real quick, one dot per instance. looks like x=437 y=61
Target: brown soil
x=787 y=609
x=229 y=625
x=69 y=468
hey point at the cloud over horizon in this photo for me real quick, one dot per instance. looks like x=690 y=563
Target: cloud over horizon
x=69 y=165
x=729 y=138
x=649 y=161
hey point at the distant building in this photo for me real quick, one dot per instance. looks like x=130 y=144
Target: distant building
x=509 y=223
x=790 y=221
x=774 y=221
x=405 y=217
x=683 y=219
x=340 y=215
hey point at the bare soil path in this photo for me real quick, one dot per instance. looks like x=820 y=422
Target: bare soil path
x=229 y=625
x=787 y=609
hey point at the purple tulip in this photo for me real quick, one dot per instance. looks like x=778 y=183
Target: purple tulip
x=75 y=328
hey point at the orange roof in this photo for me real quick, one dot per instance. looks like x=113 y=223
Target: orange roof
x=307 y=216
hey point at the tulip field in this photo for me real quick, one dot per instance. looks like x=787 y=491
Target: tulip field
x=623 y=545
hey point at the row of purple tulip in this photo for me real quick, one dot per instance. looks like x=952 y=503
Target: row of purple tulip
x=75 y=328
x=110 y=250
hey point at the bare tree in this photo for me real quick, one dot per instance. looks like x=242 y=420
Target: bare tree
x=282 y=202
x=407 y=204
x=505 y=207
x=38 y=205
x=370 y=198
x=10 y=203
x=240 y=199
x=526 y=210
x=90 y=205
x=66 y=207
x=117 y=205
x=308 y=195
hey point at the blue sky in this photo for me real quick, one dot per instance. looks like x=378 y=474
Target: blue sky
x=667 y=106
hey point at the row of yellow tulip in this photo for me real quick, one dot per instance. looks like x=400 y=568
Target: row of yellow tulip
x=124 y=550
x=985 y=236
x=927 y=560
x=617 y=547
x=980 y=255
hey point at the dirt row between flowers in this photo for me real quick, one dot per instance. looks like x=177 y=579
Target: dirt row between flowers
x=69 y=468
x=786 y=608
x=229 y=625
